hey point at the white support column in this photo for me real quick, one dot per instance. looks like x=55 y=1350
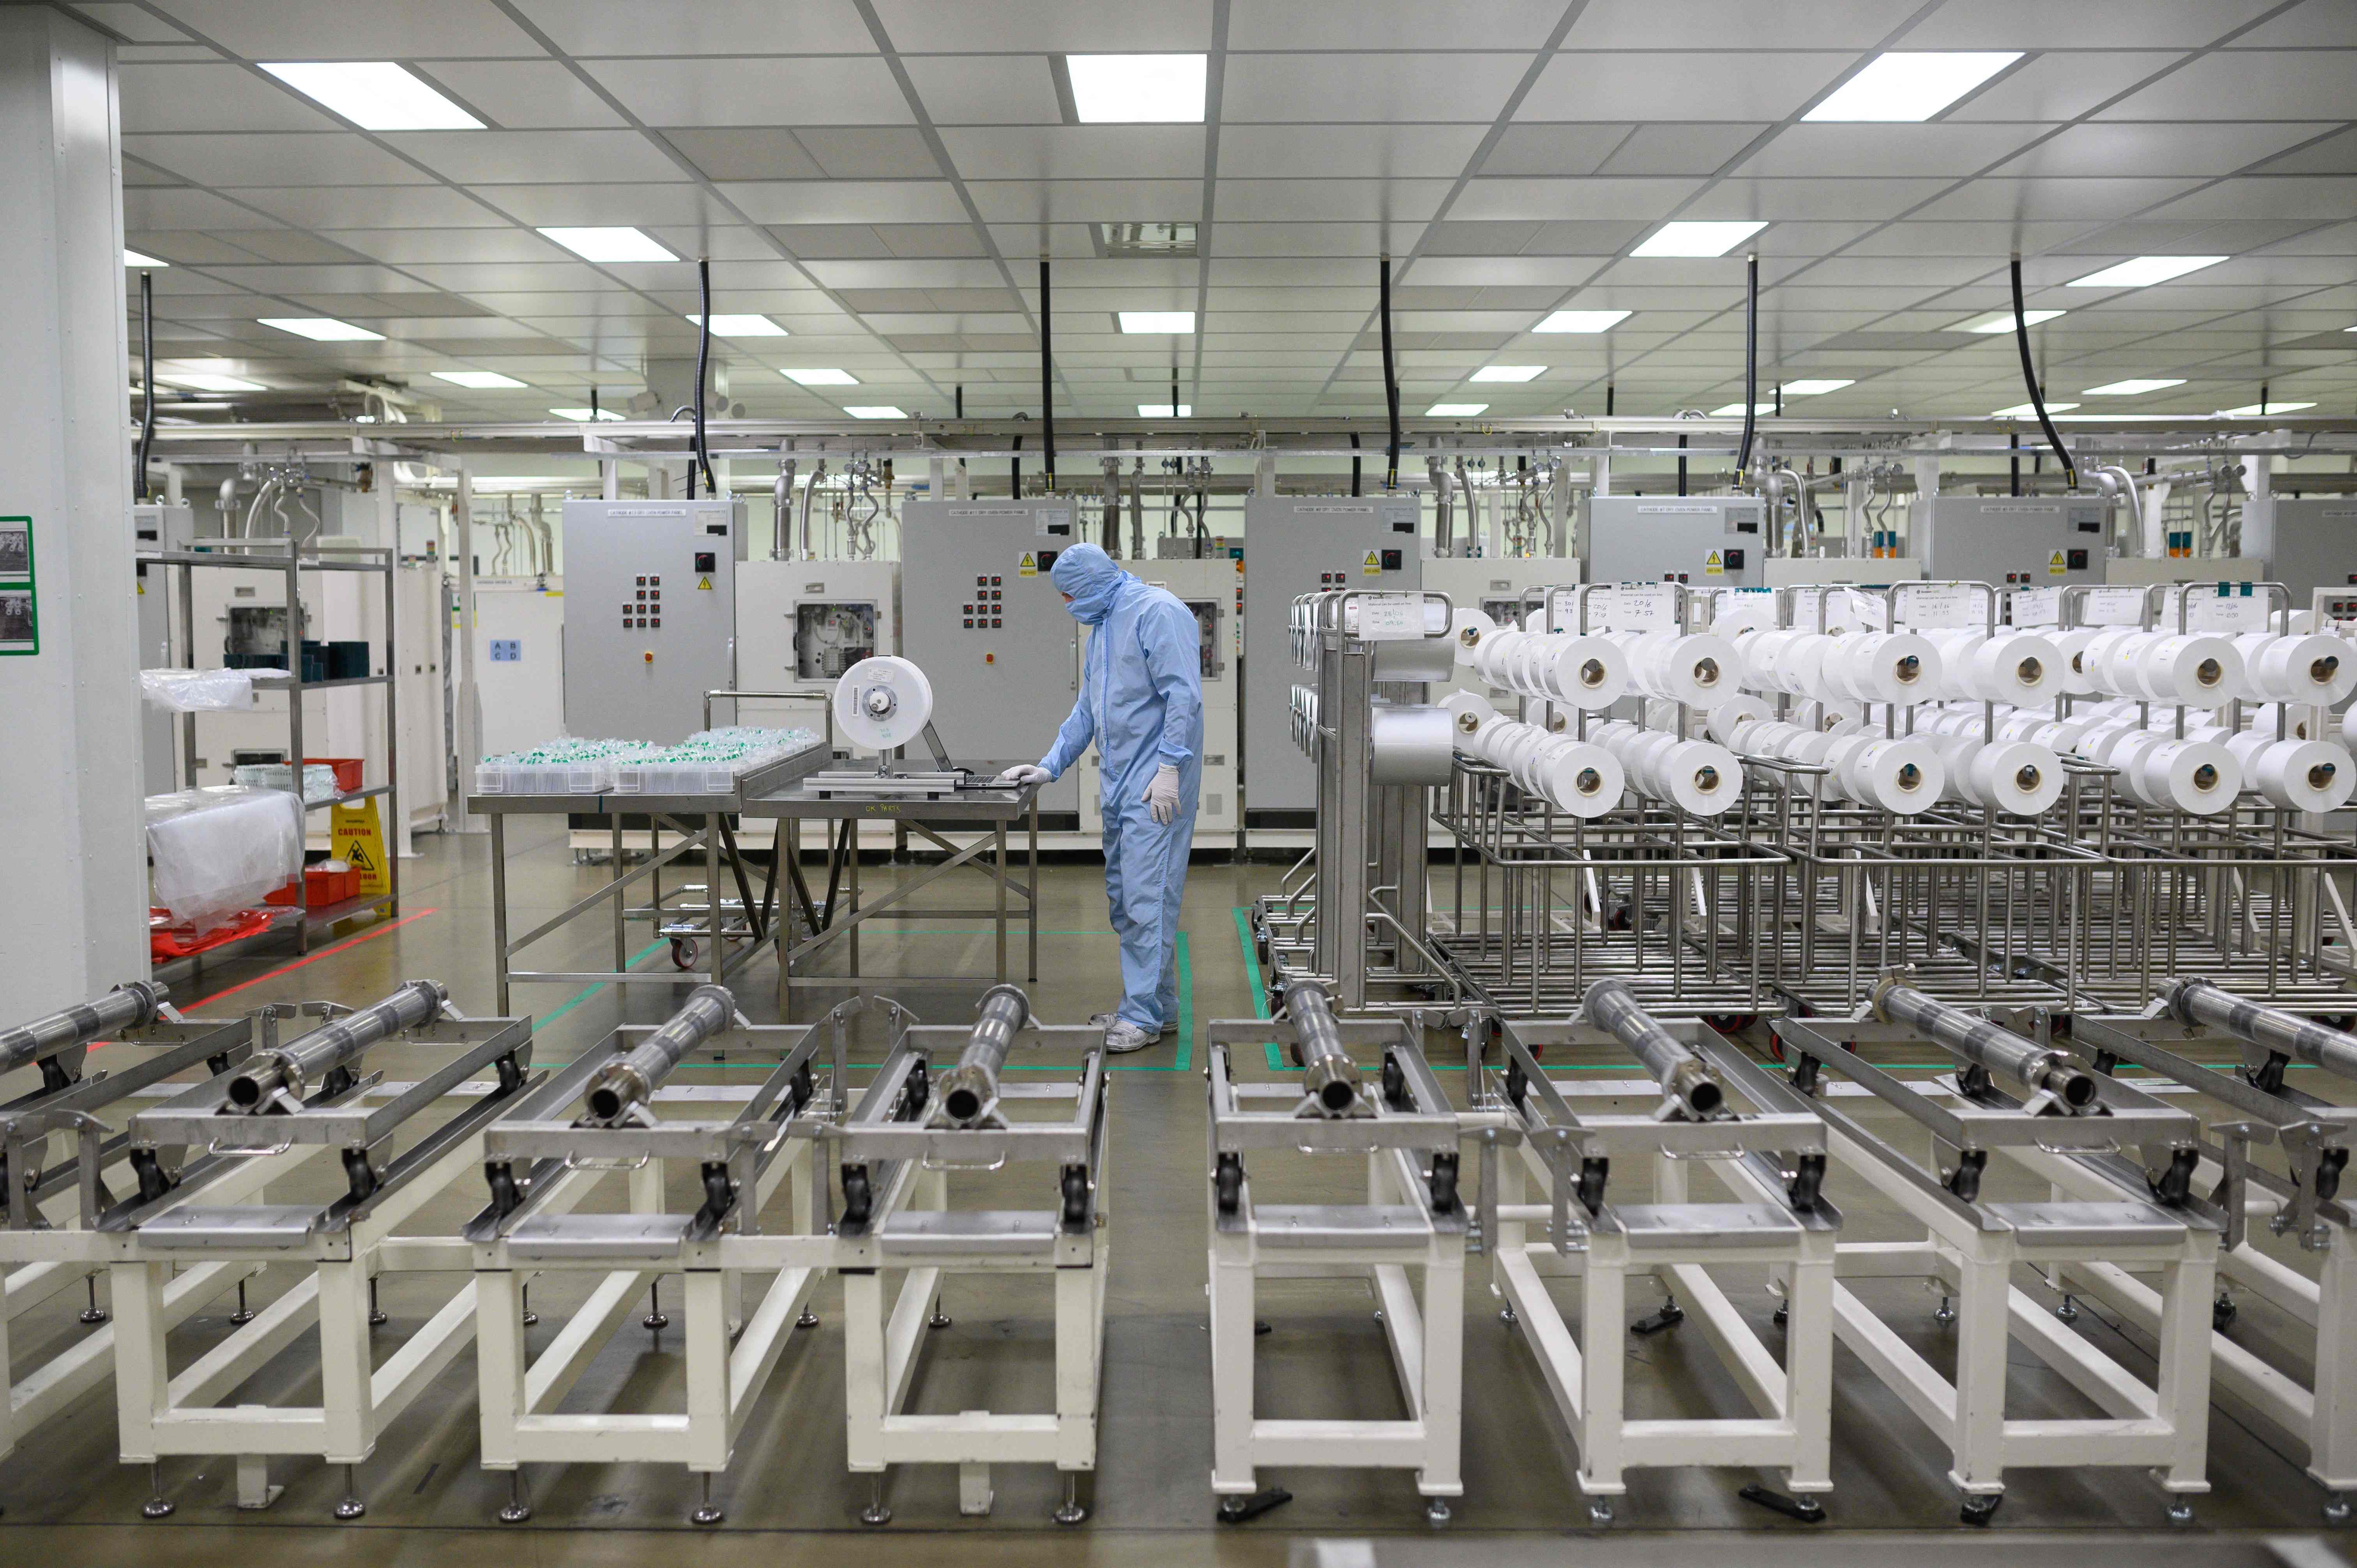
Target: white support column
x=469 y=708
x=76 y=922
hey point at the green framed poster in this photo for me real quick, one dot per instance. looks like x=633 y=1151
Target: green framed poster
x=20 y=612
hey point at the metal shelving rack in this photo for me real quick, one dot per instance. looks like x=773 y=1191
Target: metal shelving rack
x=286 y=556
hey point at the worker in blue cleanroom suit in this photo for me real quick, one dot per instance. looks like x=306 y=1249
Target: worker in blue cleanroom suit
x=1142 y=703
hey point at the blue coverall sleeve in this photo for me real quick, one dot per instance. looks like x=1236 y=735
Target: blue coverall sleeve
x=1172 y=643
x=1079 y=728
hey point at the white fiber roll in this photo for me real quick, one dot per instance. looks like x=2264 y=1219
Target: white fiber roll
x=2070 y=644
x=2304 y=775
x=2061 y=735
x=1704 y=779
x=1489 y=658
x=1956 y=753
x=2198 y=777
x=1589 y=672
x=2311 y=669
x=1470 y=628
x=1581 y=777
x=2015 y=667
x=2188 y=666
x=1903 y=776
x=2097 y=743
x=1798 y=663
x=1884 y=667
x=1738 y=709
x=1696 y=669
x=2348 y=727
x=2104 y=661
x=2019 y=777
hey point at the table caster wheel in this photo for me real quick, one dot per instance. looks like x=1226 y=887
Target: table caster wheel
x=2222 y=1313
x=1979 y=1508
x=682 y=954
x=1436 y=1512
x=2336 y=1509
x=1506 y=1315
x=1780 y=1317
x=2067 y=1310
x=2180 y=1513
x=1599 y=1512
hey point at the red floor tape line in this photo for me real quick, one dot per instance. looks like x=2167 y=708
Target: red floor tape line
x=370 y=935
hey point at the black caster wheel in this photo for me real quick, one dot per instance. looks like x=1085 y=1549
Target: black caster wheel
x=2180 y=1513
x=2222 y=1313
x=1980 y=1507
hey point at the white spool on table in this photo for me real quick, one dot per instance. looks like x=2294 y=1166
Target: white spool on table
x=883 y=702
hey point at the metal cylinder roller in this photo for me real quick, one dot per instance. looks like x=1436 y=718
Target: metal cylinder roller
x=632 y=1079
x=1610 y=1004
x=2198 y=1002
x=290 y=1069
x=1328 y=1076
x=1411 y=745
x=971 y=1087
x=1982 y=1043
x=125 y=1007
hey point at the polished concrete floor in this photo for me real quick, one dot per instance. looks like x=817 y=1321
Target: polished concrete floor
x=787 y=1497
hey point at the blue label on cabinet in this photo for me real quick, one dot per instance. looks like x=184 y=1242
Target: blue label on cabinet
x=507 y=651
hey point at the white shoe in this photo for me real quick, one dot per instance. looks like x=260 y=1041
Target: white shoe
x=1107 y=1020
x=1124 y=1036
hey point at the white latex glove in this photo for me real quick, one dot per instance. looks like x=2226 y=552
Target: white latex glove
x=1161 y=796
x=1024 y=773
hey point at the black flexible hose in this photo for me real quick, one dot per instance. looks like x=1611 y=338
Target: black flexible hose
x=2029 y=380
x=702 y=359
x=1750 y=362
x=1391 y=382
x=1048 y=380
x=1354 y=464
x=147 y=381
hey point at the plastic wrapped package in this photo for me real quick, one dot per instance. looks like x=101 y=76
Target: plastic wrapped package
x=319 y=784
x=198 y=691
x=218 y=850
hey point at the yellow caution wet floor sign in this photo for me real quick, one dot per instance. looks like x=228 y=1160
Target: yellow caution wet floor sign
x=359 y=841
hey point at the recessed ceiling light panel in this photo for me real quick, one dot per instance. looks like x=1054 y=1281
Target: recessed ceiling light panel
x=374 y=94
x=609 y=244
x=1173 y=321
x=741 y=326
x=322 y=328
x=1685 y=238
x=1582 y=321
x=1162 y=411
x=1509 y=373
x=1816 y=388
x=875 y=411
x=2143 y=272
x=1133 y=90
x=2003 y=321
x=2029 y=411
x=481 y=380
x=1453 y=410
x=2132 y=386
x=820 y=376
x=1903 y=87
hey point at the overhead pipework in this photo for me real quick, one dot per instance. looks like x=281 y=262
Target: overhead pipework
x=619 y=1088
x=2065 y=1088
x=969 y=1091
x=1690 y=1088
x=273 y=1083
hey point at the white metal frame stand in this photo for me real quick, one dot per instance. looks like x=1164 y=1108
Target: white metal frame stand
x=1775 y=1155
x=896 y=1153
x=1412 y=1219
x=2099 y=1213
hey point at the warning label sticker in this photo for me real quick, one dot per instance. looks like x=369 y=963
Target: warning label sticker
x=1028 y=566
x=703 y=585
x=1372 y=566
x=1713 y=565
x=2054 y=565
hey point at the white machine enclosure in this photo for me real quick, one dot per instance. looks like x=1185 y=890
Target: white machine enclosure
x=800 y=624
x=649 y=613
x=2042 y=541
x=1718 y=541
x=156 y=526
x=1295 y=546
x=988 y=629
x=520 y=661
x=1819 y=571
x=2314 y=544
x=1214 y=589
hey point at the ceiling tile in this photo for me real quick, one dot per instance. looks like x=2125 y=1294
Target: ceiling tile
x=1736 y=24
x=2088 y=199
x=1556 y=272
x=1313 y=200
x=537 y=157
x=869 y=152
x=1653 y=86
x=846 y=201
x=335 y=29
x=1833 y=199
x=1087 y=200
x=820 y=91
x=2040 y=25
x=1390 y=89
x=211 y=98
x=2110 y=148
x=548 y=206
x=2056 y=87
x=1049 y=25
x=2300 y=84
x=1807 y=151
x=1077 y=152
x=135 y=24
x=524 y=95
x=417 y=206
x=448 y=245
x=976 y=90
x=2288 y=197
x=746 y=153
x=1573 y=199
x=180 y=208
x=1558 y=149
x=1407 y=24
x=630 y=30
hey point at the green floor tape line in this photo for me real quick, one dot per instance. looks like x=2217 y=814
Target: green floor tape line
x=1259 y=989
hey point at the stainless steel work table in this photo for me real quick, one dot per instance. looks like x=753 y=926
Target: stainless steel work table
x=992 y=810
x=702 y=822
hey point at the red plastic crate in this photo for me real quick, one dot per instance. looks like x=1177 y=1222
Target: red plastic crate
x=348 y=770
